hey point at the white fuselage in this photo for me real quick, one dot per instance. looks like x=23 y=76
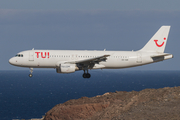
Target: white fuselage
x=52 y=58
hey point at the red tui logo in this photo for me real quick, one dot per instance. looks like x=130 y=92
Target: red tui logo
x=43 y=54
x=158 y=44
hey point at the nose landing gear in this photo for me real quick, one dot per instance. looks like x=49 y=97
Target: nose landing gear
x=86 y=75
x=31 y=71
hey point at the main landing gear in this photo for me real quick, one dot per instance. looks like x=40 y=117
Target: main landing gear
x=31 y=70
x=86 y=75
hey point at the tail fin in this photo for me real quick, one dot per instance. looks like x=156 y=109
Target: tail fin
x=158 y=42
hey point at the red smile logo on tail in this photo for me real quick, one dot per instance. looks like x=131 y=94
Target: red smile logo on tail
x=158 y=44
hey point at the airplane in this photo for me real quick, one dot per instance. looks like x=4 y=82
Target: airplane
x=69 y=61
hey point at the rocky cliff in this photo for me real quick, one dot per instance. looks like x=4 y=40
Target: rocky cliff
x=155 y=104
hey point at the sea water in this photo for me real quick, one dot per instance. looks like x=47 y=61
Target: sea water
x=22 y=97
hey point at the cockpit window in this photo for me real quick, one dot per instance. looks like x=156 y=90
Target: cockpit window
x=19 y=55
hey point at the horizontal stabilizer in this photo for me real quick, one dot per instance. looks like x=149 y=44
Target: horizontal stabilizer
x=161 y=55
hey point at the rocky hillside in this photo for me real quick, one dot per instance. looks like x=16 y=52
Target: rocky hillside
x=152 y=104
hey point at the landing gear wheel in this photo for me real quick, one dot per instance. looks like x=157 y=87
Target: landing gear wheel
x=84 y=75
x=30 y=75
x=31 y=70
x=88 y=75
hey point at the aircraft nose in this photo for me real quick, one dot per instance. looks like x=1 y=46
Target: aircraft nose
x=12 y=61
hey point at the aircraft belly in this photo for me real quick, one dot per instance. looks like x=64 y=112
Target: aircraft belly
x=39 y=63
x=126 y=63
x=46 y=63
x=116 y=63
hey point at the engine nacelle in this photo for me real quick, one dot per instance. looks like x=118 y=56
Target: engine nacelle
x=66 y=68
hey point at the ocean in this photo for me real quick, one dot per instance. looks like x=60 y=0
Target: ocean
x=22 y=97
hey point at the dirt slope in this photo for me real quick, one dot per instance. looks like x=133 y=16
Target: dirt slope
x=159 y=104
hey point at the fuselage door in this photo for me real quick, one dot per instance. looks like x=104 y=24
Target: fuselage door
x=31 y=56
x=139 y=58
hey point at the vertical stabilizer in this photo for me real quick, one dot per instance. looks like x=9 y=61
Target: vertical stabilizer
x=158 y=42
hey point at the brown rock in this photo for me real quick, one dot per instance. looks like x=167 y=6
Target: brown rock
x=163 y=103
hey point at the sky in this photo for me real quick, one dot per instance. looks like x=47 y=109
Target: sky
x=121 y=25
x=90 y=4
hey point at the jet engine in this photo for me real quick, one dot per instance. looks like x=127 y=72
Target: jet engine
x=66 y=68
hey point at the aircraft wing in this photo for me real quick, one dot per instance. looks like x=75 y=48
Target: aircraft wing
x=90 y=60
